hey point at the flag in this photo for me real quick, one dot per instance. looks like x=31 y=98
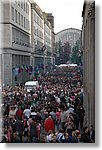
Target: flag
x=35 y=68
x=15 y=71
x=30 y=69
x=39 y=66
x=19 y=69
x=22 y=67
x=42 y=66
x=27 y=69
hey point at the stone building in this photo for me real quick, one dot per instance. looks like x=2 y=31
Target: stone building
x=50 y=18
x=37 y=34
x=48 y=39
x=26 y=36
x=88 y=43
x=70 y=35
x=41 y=36
x=16 y=39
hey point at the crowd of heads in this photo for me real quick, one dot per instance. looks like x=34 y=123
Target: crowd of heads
x=51 y=113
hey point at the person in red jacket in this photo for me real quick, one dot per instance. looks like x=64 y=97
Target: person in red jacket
x=19 y=113
x=49 y=124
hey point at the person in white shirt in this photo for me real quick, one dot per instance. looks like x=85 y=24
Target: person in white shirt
x=27 y=112
x=12 y=112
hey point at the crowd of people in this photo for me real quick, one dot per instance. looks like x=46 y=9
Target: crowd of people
x=51 y=113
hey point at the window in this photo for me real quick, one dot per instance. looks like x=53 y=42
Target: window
x=12 y=9
x=18 y=2
x=28 y=25
x=19 y=18
x=37 y=19
x=34 y=17
x=22 y=4
x=16 y=15
x=22 y=20
x=40 y=23
x=26 y=8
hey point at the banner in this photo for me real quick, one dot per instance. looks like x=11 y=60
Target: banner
x=30 y=69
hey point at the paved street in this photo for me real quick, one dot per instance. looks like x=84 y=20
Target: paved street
x=52 y=113
x=47 y=72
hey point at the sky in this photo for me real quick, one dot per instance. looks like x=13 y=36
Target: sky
x=67 y=13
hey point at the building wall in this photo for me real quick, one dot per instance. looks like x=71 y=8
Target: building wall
x=47 y=34
x=50 y=18
x=37 y=27
x=37 y=34
x=53 y=48
x=41 y=36
x=88 y=43
x=20 y=14
x=16 y=38
x=25 y=38
x=70 y=35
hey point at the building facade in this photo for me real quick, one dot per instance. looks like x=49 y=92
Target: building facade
x=66 y=37
x=16 y=39
x=47 y=40
x=41 y=36
x=25 y=39
x=37 y=34
x=50 y=18
x=88 y=43
x=70 y=35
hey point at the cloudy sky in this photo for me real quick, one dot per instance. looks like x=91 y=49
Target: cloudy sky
x=67 y=13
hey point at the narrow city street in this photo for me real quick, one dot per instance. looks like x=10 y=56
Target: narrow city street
x=47 y=71
x=52 y=113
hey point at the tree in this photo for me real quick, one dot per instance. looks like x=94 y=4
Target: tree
x=66 y=51
x=63 y=52
x=59 y=49
x=76 y=53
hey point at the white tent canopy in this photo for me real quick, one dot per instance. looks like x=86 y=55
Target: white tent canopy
x=63 y=65
x=68 y=65
x=72 y=65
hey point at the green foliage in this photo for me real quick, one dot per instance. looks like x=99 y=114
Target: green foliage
x=67 y=51
x=76 y=53
x=64 y=52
